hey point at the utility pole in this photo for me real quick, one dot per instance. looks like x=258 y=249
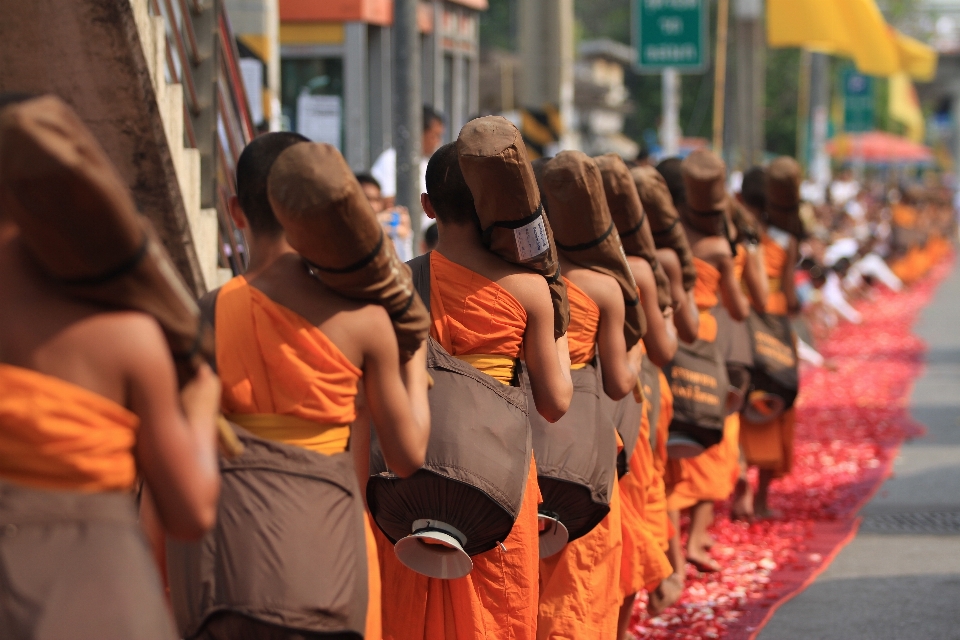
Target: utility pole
x=671 y=112
x=750 y=71
x=819 y=103
x=720 y=75
x=408 y=110
x=803 y=107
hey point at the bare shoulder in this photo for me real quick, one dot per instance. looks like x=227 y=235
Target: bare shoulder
x=642 y=271
x=529 y=288
x=600 y=287
x=670 y=261
x=712 y=249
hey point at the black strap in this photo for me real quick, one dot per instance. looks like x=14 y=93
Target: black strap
x=705 y=214
x=121 y=269
x=208 y=316
x=669 y=229
x=639 y=225
x=420 y=269
x=586 y=245
x=487 y=233
x=359 y=264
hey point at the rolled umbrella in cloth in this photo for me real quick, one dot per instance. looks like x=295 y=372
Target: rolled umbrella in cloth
x=494 y=162
x=782 y=187
x=328 y=220
x=585 y=232
x=704 y=184
x=78 y=220
x=631 y=220
x=665 y=224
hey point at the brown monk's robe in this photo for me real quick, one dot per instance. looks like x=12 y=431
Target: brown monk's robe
x=580 y=585
x=713 y=474
x=272 y=361
x=80 y=530
x=770 y=446
x=478 y=321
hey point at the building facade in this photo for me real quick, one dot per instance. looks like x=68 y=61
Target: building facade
x=336 y=70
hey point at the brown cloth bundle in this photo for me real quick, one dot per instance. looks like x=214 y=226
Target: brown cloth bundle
x=79 y=222
x=783 y=195
x=585 y=231
x=745 y=224
x=705 y=209
x=631 y=220
x=328 y=220
x=493 y=158
x=664 y=219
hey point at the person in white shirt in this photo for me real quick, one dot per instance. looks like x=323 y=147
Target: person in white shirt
x=385 y=168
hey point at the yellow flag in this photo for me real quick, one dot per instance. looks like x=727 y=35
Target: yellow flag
x=850 y=28
x=916 y=58
x=904 y=107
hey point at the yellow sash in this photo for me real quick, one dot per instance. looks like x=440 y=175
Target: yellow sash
x=500 y=368
x=327 y=439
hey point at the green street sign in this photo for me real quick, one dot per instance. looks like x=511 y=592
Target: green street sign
x=670 y=33
x=858 y=102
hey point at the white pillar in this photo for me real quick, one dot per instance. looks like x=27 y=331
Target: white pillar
x=670 y=132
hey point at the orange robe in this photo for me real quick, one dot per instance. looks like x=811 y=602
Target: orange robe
x=472 y=316
x=57 y=435
x=713 y=474
x=644 y=563
x=770 y=446
x=580 y=586
x=656 y=512
x=272 y=361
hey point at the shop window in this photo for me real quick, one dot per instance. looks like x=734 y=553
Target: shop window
x=312 y=98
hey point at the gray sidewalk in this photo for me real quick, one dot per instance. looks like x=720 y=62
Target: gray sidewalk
x=900 y=577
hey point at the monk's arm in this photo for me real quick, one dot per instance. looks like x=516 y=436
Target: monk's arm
x=755 y=276
x=547 y=359
x=661 y=336
x=786 y=281
x=733 y=298
x=618 y=368
x=399 y=415
x=176 y=444
x=686 y=317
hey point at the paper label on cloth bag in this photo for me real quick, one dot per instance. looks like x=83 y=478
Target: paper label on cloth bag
x=531 y=239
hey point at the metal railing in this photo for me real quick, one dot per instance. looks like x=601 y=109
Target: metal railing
x=223 y=103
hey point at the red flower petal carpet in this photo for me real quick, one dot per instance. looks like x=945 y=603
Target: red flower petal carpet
x=851 y=421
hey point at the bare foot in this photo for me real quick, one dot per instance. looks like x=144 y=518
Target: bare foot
x=666 y=594
x=702 y=561
x=742 y=506
x=708 y=542
x=766 y=513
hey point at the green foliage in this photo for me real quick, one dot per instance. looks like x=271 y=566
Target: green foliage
x=498 y=25
x=783 y=82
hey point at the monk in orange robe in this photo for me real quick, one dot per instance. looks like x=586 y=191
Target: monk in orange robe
x=485 y=311
x=643 y=511
x=697 y=482
x=770 y=446
x=291 y=353
x=580 y=593
x=89 y=401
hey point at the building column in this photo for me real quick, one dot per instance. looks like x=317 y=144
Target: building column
x=381 y=93
x=355 y=103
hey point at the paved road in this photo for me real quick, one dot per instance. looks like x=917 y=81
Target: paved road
x=900 y=577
